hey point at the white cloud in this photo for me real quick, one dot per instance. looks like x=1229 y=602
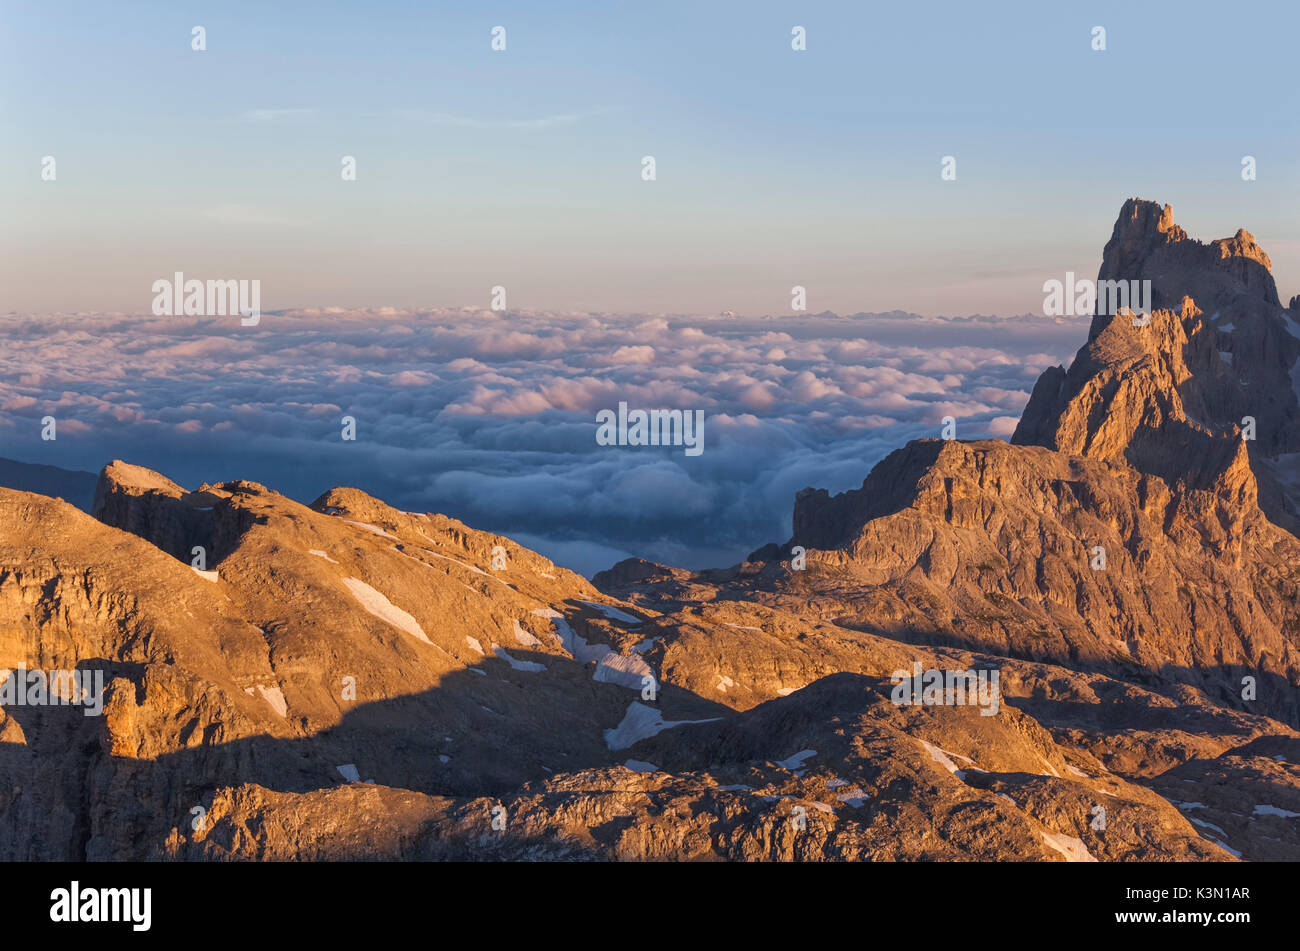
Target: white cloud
x=491 y=418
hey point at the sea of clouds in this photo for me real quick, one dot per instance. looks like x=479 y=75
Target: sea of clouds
x=490 y=417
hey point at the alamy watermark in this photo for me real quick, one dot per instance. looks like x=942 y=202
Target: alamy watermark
x=39 y=688
x=76 y=904
x=947 y=688
x=179 y=297
x=655 y=427
x=1085 y=298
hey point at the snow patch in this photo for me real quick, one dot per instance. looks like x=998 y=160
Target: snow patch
x=573 y=644
x=275 y=698
x=614 y=614
x=1073 y=849
x=796 y=761
x=208 y=575
x=372 y=528
x=624 y=670
x=349 y=772
x=378 y=605
x=1210 y=825
x=1291 y=326
x=639 y=723
x=1044 y=761
x=1275 y=811
x=525 y=665
x=524 y=638
x=473 y=643
x=477 y=571
x=942 y=758
x=320 y=554
x=640 y=766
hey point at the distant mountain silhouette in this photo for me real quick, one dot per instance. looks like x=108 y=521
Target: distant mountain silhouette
x=70 y=485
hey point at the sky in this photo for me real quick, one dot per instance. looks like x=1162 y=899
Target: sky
x=522 y=168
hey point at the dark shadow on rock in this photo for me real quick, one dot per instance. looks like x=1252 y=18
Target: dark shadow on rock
x=65 y=793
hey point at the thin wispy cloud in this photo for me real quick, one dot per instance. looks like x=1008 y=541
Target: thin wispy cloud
x=471 y=122
x=275 y=115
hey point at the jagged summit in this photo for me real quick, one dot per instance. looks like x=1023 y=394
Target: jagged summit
x=1146 y=244
x=1213 y=375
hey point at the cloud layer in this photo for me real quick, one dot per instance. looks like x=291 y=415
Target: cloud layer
x=491 y=417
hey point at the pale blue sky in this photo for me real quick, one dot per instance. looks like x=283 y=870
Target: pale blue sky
x=522 y=168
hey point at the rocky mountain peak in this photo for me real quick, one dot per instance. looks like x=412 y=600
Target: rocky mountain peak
x=1146 y=245
x=1173 y=392
x=148 y=504
x=1173 y=438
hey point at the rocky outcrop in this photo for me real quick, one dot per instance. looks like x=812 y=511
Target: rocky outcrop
x=144 y=503
x=1218 y=348
x=868 y=781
